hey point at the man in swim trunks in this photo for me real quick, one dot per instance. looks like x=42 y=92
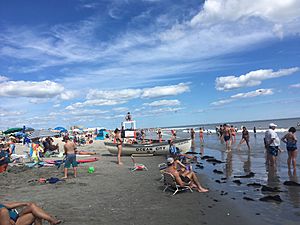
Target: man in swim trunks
x=70 y=152
x=227 y=137
x=272 y=143
x=184 y=177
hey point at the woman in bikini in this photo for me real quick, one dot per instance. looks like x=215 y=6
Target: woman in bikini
x=30 y=214
x=119 y=142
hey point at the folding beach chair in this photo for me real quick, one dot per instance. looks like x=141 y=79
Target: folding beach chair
x=162 y=169
x=137 y=166
x=170 y=183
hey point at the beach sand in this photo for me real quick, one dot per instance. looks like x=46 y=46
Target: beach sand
x=115 y=195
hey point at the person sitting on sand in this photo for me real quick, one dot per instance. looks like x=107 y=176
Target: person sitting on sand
x=185 y=176
x=30 y=214
x=70 y=152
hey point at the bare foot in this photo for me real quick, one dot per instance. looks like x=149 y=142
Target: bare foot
x=202 y=190
x=57 y=222
x=120 y=163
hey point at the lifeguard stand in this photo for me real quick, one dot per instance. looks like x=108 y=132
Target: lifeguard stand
x=129 y=130
x=129 y=125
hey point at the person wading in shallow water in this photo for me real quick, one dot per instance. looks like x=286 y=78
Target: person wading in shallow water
x=119 y=142
x=290 y=140
x=227 y=137
x=272 y=143
x=245 y=138
x=192 y=134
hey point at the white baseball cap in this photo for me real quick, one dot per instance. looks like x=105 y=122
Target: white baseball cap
x=170 y=160
x=272 y=125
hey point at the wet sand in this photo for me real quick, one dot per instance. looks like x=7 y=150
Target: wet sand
x=115 y=195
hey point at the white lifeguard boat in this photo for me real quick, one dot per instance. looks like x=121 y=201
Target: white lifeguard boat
x=155 y=147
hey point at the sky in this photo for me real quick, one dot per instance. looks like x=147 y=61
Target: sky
x=168 y=62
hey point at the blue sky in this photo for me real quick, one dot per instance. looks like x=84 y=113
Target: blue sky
x=168 y=62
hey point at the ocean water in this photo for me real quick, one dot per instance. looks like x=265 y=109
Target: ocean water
x=243 y=162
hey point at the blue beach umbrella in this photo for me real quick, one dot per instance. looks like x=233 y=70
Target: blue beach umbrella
x=60 y=129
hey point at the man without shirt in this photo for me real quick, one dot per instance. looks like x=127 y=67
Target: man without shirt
x=70 y=152
x=227 y=137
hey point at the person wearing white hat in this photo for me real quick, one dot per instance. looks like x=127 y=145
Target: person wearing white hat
x=272 y=143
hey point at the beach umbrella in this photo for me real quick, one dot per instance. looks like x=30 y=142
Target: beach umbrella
x=41 y=134
x=60 y=129
x=20 y=134
x=12 y=130
x=29 y=129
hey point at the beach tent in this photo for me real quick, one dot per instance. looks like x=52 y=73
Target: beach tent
x=41 y=134
x=60 y=129
x=13 y=130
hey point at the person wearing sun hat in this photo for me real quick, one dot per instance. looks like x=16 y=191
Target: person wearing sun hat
x=272 y=143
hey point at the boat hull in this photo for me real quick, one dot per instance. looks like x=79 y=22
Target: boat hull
x=161 y=148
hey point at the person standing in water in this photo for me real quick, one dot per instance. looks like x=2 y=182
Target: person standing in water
x=290 y=140
x=192 y=134
x=254 y=131
x=119 y=142
x=227 y=137
x=201 y=135
x=272 y=143
x=245 y=138
x=232 y=130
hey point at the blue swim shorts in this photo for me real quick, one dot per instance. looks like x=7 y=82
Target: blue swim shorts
x=71 y=160
x=273 y=150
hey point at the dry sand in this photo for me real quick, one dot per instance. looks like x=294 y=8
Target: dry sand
x=115 y=195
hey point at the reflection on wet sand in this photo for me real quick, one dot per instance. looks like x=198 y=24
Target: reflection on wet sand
x=228 y=166
x=293 y=192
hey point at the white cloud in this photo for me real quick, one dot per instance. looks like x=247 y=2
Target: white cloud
x=163 y=103
x=218 y=11
x=3 y=78
x=251 y=94
x=250 y=79
x=56 y=105
x=114 y=94
x=67 y=95
x=42 y=89
x=116 y=97
x=95 y=102
x=165 y=110
x=163 y=91
x=295 y=85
